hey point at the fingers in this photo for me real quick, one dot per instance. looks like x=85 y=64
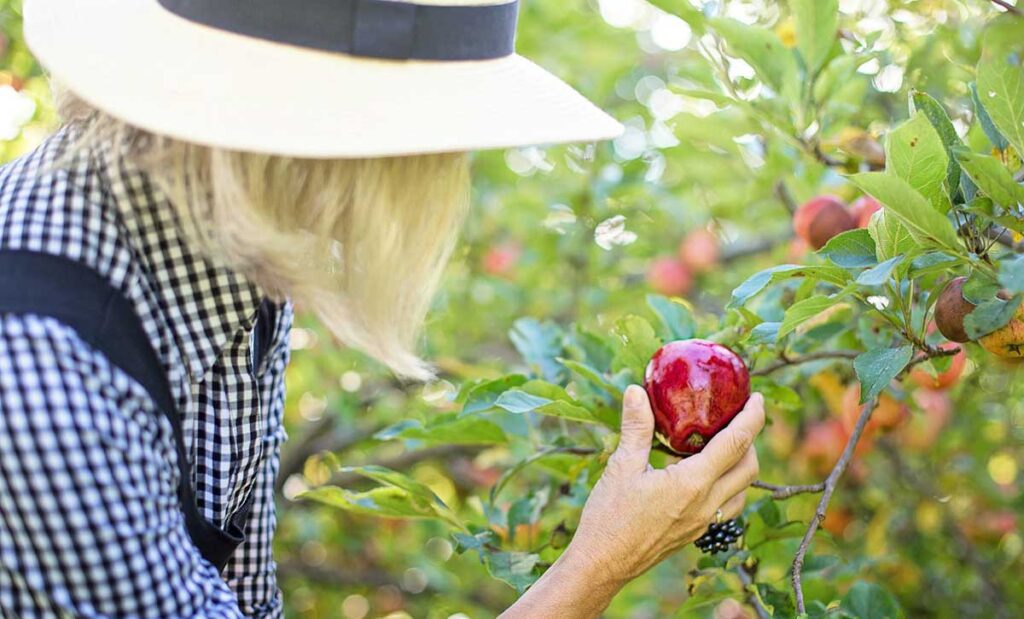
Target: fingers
x=734 y=506
x=634 y=449
x=737 y=479
x=727 y=447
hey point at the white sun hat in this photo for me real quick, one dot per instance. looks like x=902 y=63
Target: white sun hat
x=317 y=78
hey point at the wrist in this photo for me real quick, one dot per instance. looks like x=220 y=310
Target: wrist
x=576 y=586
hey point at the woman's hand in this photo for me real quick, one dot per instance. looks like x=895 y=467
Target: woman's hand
x=637 y=515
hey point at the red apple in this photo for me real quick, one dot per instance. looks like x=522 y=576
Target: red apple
x=669 y=277
x=700 y=250
x=821 y=218
x=500 y=260
x=822 y=445
x=943 y=380
x=696 y=387
x=863 y=208
x=950 y=310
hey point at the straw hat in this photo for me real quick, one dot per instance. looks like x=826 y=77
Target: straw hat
x=334 y=78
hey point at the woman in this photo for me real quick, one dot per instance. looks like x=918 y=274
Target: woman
x=219 y=161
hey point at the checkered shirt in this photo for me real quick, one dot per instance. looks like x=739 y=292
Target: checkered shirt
x=90 y=524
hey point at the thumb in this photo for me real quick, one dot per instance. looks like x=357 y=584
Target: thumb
x=637 y=430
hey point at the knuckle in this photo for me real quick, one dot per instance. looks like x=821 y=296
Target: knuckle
x=741 y=440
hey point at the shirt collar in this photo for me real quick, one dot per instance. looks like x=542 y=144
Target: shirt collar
x=205 y=304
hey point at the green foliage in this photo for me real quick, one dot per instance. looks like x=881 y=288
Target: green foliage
x=454 y=497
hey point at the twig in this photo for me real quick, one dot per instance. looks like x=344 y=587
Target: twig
x=747 y=573
x=931 y=353
x=785 y=196
x=1009 y=7
x=784 y=492
x=814 y=356
x=826 y=496
x=1004 y=237
x=737 y=251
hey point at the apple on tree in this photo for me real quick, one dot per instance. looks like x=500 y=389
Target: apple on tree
x=821 y=218
x=669 y=277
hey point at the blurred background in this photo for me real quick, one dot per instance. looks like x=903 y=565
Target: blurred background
x=686 y=203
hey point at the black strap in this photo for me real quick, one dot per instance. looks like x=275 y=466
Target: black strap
x=372 y=28
x=74 y=294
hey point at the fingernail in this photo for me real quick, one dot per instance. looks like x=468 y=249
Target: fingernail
x=633 y=396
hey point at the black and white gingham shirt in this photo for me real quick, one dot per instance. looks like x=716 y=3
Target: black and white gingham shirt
x=90 y=524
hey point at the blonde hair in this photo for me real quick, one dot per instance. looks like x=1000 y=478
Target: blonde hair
x=361 y=243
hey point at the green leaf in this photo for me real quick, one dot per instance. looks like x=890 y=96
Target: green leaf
x=395 y=479
x=868 y=600
x=836 y=74
x=802 y=311
x=482 y=396
x=769 y=512
x=684 y=11
x=878 y=275
x=817 y=22
x=765 y=333
x=476 y=541
x=891 y=237
x=877 y=368
x=591 y=374
x=915 y=152
x=985 y=120
x=449 y=429
x=638 y=342
x=676 y=318
x=851 y=249
x=937 y=116
x=991 y=315
x=759 y=281
x=1011 y=274
x=546 y=399
x=776 y=394
x=1001 y=77
x=382 y=502
x=780 y=602
x=513 y=568
x=992 y=177
x=926 y=225
x=540 y=344
x=980 y=287
x=773 y=62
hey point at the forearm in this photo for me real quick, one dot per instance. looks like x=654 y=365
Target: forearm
x=573 y=588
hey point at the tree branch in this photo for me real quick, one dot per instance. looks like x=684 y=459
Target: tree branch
x=819 y=513
x=814 y=356
x=785 y=196
x=737 y=251
x=747 y=573
x=1009 y=7
x=784 y=492
x=1004 y=237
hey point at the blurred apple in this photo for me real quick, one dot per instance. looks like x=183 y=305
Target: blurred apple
x=501 y=260
x=700 y=250
x=669 y=277
x=863 y=208
x=945 y=379
x=921 y=431
x=888 y=414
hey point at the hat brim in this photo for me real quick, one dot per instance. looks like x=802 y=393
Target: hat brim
x=154 y=70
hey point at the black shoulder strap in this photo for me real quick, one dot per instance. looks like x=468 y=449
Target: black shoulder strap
x=74 y=294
